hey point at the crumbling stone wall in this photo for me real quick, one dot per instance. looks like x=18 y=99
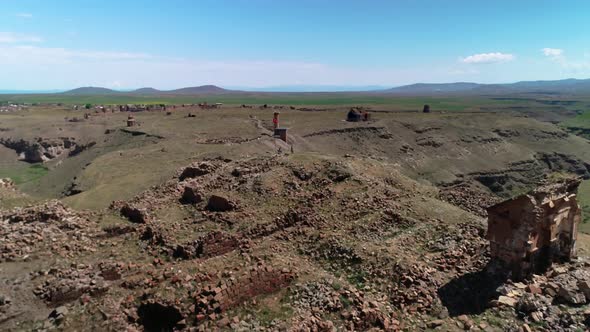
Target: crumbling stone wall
x=229 y=293
x=531 y=231
x=211 y=245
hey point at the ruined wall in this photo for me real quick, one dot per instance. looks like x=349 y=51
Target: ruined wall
x=211 y=245
x=531 y=231
x=230 y=293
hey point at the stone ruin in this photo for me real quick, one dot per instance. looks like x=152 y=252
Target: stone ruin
x=6 y=183
x=130 y=121
x=530 y=232
x=357 y=114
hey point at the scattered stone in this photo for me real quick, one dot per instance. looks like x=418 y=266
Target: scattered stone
x=197 y=169
x=507 y=301
x=435 y=323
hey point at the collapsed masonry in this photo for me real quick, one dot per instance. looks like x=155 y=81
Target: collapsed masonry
x=532 y=231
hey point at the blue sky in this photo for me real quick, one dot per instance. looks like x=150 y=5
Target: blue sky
x=263 y=43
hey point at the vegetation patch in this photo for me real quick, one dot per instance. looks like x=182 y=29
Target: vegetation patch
x=25 y=174
x=584 y=201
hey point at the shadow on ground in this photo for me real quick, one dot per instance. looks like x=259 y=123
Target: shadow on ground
x=471 y=293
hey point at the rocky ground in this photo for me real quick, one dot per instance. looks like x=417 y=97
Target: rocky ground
x=283 y=242
x=211 y=224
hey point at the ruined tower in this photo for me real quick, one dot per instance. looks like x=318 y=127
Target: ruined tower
x=531 y=231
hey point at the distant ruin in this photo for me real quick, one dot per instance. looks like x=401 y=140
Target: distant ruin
x=357 y=114
x=130 y=121
x=532 y=231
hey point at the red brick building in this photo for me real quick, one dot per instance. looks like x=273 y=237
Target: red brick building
x=531 y=231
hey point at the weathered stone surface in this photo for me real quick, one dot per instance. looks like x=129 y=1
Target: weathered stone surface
x=211 y=245
x=135 y=214
x=542 y=221
x=197 y=169
x=40 y=149
x=571 y=296
x=229 y=293
x=45 y=228
x=192 y=195
x=218 y=203
x=507 y=301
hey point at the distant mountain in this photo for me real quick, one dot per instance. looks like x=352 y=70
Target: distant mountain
x=90 y=90
x=567 y=86
x=197 y=90
x=146 y=91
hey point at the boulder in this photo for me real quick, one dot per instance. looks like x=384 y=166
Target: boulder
x=584 y=287
x=197 y=169
x=134 y=214
x=220 y=204
x=529 y=303
x=571 y=296
x=191 y=195
x=507 y=301
x=338 y=173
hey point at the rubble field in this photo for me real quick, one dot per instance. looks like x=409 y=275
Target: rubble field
x=353 y=227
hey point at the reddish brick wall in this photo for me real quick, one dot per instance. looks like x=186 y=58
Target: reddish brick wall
x=230 y=293
x=210 y=245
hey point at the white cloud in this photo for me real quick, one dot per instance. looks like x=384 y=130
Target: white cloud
x=24 y=15
x=558 y=56
x=11 y=37
x=552 y=52
x=485 y=58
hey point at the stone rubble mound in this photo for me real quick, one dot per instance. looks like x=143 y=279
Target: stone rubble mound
x=48 y=226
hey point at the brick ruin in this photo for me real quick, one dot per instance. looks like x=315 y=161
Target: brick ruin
x=213 y=300
x=531 y=231
x=213 y=244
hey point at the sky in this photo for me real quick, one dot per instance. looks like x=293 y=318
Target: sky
x=62 y=44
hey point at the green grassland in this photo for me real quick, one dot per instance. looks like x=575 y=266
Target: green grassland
x=580 y=121
x=24 y=174
x=584 y=201
x=163 y=157
x=295 y=99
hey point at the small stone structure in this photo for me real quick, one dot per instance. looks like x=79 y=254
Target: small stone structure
x=357 y=114
x=281 y=133
x=531 y=231
x=6 y=183
x=275 y=120
x=130 y=121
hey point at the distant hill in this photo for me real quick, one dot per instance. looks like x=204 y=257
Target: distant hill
x=197 y=90
x=146 y=91
x=90 y=90
x=567 y=86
